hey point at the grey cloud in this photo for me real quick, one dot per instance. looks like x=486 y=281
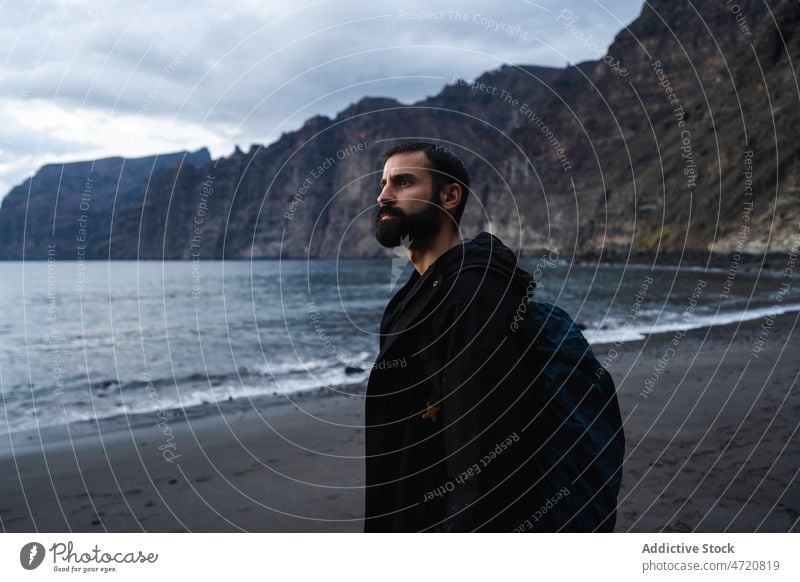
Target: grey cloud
x=180 y=59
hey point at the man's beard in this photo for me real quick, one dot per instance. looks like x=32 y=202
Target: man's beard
x=393 y=231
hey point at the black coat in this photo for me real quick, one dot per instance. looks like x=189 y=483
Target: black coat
x=487 y=412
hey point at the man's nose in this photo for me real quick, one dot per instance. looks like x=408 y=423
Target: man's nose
x=385 y=195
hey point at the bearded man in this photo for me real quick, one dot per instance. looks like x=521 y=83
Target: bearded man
x=501 y=419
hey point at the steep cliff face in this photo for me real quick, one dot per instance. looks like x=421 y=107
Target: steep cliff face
x=712 y=96
x=686 y=127
x=67 y=210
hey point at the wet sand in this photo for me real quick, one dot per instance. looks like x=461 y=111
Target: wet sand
x=713 y=446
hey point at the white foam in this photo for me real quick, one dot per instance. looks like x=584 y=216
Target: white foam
x=627 y=334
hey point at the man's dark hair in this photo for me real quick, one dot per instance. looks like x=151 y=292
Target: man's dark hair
x=446 y=167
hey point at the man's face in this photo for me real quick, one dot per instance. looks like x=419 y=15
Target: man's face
x=407 y=204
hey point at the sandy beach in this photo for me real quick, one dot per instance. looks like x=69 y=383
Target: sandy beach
x=711 y=430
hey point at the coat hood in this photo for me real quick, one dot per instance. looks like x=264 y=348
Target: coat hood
x=485 y=251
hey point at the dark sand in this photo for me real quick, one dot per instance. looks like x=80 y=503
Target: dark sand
x=714 y=447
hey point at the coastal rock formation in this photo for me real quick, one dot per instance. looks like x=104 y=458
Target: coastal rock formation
x=681 y=135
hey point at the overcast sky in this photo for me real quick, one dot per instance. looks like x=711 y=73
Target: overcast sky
x=97 y=78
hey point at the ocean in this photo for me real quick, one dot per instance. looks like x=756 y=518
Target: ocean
x=100 y=340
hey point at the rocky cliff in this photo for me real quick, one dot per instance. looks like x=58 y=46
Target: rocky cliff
x=665 y=148
x=70 y=211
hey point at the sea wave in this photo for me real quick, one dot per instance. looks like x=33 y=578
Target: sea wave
x=675 y=323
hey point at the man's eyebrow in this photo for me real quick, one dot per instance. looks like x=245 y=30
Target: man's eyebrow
x=396 y=177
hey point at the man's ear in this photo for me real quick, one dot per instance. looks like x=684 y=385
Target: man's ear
x=450 y=197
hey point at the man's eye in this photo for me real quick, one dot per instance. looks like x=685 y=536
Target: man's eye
x=403 y=181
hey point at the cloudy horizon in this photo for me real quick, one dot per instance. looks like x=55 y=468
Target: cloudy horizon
x=100 y=78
